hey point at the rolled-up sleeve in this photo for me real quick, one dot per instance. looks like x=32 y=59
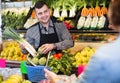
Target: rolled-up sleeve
x=64 y=36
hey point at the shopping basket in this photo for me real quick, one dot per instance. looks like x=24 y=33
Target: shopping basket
x=36 y=72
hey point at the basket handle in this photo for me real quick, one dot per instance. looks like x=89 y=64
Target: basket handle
x=47 y=59
x=31 y=61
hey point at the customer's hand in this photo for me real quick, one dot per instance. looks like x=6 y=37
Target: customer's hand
x=45 y=48
x=51 y=76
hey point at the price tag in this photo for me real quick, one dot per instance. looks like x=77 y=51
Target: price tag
x=2 y=63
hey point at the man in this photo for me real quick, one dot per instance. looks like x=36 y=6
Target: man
x=48 y=34
x=103 y=67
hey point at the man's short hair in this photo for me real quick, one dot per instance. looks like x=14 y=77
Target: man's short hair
x=40 y=4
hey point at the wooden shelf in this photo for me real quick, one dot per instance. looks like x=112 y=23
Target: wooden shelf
x=92 y=31
x=79 y=31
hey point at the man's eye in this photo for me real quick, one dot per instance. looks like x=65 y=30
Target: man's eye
x=39 y=13
x=45 y=11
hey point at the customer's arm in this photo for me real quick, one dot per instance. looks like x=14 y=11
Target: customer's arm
x=95 y=70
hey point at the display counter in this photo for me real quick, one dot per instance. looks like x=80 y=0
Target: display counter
x=81 y=45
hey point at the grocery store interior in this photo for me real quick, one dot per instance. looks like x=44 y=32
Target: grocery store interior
x=87 y=25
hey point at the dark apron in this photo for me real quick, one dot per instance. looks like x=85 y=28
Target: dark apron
x=49 y=38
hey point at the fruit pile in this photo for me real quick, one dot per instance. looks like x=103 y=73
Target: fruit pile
x=1 y=78
x=15 y=78
x=82 y=57
x=11 y=51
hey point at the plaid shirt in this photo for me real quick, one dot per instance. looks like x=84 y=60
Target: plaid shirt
x=33 y=36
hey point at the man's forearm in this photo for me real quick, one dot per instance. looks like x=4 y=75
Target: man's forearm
x=64 y=44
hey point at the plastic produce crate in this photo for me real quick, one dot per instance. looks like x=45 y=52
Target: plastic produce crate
x=23 y=67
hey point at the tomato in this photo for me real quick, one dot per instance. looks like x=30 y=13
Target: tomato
x=56 y=57
x=59 y=55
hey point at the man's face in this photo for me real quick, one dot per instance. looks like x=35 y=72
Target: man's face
x=43 y=14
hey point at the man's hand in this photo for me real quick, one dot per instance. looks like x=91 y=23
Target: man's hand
x=45 y=48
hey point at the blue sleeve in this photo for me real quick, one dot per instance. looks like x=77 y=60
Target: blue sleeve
x=95 y=70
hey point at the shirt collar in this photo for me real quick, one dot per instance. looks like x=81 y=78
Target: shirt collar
x=50 y=24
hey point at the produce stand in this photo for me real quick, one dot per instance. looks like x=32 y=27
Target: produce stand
x=83 y=37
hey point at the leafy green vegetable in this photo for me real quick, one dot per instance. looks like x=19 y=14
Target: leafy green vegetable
x=63 y=65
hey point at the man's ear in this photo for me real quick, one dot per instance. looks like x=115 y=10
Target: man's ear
x=51 y=11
